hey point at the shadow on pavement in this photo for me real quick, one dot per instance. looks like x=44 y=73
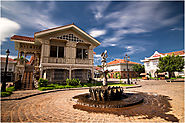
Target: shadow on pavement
x=153 y=106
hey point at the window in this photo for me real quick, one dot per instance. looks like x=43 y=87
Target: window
x=85 y=53
x=53 y=51
x=81 y=53
x=56 y=51
x=61 y=52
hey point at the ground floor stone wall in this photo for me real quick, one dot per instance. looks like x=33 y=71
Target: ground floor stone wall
x=61 y=73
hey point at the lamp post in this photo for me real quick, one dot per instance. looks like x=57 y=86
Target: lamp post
x=3 y=87
x=126 y=58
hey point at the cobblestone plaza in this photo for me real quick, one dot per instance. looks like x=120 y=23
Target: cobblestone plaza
x=57 y=106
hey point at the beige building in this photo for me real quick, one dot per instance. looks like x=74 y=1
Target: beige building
x=59 y=53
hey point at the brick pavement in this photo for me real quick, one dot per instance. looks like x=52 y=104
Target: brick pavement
x=58 y=107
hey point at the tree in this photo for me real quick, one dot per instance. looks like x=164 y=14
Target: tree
x=138 y=68
x=21 y=59
x=171 y=64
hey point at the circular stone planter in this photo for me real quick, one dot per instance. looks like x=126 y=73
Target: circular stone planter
x=129 y=99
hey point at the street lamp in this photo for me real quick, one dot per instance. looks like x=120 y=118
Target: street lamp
x=126 y=58
x=3 y=88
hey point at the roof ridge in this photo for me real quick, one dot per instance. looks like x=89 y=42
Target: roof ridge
x=53 y=28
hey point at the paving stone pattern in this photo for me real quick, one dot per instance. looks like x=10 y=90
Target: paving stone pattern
x=58 y=106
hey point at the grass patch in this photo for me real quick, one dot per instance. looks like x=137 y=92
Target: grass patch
x=57 y=86
x=121 y=85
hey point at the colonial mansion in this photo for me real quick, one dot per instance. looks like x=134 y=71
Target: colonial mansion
x=57 y=54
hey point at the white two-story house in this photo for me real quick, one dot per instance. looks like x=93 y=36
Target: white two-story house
x=151 y=62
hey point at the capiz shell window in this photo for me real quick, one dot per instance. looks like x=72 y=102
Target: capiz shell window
x=61 y=52
x=85 y=53
x=53 y=51
x=56 y=51
x=81 y=53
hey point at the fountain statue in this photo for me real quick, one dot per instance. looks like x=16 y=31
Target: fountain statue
x=104 y=66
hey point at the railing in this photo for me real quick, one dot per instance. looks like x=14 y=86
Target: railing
x=56 y=60
x=82 y=61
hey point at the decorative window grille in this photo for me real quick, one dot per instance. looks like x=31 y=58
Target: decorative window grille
x=70 y=37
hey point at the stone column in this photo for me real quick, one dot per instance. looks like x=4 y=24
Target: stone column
x=18 y=58
x=24 y=58
x=70 y=72
x=92 y=72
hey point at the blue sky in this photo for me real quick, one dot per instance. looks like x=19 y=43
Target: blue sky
x=136 y=28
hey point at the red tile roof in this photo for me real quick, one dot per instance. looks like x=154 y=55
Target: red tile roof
x=3 y=59
x=98 y=68
x=118 y=61
x=175 y=53
x=23 y=38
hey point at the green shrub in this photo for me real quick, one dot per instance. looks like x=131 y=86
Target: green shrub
x=172 y=78
x=43 y=82
x=5 y=94
x=73 y=82
x=120 y=82
x=85 y=86
x=10 y=89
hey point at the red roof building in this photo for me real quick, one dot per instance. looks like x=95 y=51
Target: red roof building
x=120 y=66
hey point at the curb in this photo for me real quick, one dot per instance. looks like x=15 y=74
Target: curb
x=56 y=90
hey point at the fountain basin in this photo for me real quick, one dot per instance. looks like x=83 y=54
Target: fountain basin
x=128 y=99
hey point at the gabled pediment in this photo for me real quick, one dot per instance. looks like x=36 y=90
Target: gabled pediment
x=68 y=36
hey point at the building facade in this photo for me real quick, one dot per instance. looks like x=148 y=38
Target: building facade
x=151 y=62
x=10 y=69
x=59 y=53
x=120 y=66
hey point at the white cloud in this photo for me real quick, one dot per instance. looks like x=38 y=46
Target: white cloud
x=7 y=28
x=145 y=16
x=97 y=33
x=114 y=41
x=176 y=29
x=98 y=9
x=29 y=16
x=136 y=18
x=97 y=55
x=97 y=59
x=134 y=49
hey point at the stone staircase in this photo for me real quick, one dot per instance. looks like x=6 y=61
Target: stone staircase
x=27 y=81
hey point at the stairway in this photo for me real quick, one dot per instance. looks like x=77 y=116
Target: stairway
x=27 y=81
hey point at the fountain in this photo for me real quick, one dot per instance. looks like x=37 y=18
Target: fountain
x=107 y=96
